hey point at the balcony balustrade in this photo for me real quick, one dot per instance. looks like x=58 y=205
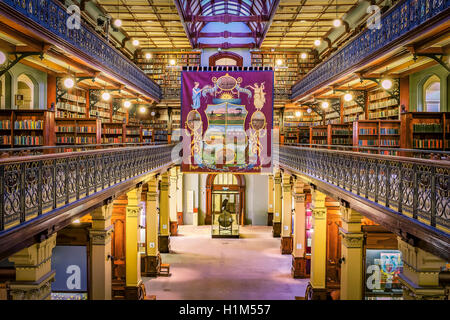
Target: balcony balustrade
x=416 y=188
x=37 y=185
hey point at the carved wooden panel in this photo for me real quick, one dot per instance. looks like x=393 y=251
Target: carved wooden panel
x=333 y=273
x=118 y=238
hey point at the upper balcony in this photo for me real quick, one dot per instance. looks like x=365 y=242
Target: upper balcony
x=48 y=20
x=406 y=19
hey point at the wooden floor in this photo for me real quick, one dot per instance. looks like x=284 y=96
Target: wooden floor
x=202 y=268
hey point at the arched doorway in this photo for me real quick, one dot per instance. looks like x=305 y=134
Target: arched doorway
x=221 y=186
x=226 y=59
x=27 y=92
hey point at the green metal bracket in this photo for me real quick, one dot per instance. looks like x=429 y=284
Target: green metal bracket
x=435 y=57
x=19 y=56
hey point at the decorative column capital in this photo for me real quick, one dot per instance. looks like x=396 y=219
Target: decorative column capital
x=133 y=211
x=299 y=197
x=352 y=240
x=319 y=213
x=101 y=237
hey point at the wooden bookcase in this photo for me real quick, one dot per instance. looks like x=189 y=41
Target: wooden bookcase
x=113 y=132
x=133 y=133
x=160 y=130
x=377 y=133
x=25 y=128
x=425 y=130
x=318 y=135
x=101 y=111
x=147 y=134
x=292 y=69
x=340 y=134
x=353 y=112
x=72 y=104
x=168 y=76
x=77 y=131
x=382 y=105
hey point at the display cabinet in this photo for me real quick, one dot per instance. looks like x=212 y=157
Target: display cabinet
x=225 y=214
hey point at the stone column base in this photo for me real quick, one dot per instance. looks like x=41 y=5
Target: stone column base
x=300 y=268
x=173 y=228
x=164 y=244
x=315 y=293
x=134 y=292
x=39 y=290
x=276 y=229
x=270 y=219
x=150 y=265
x=286 y=245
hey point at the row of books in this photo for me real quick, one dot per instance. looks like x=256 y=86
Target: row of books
x=378 y=95
x=427 y=127
x=390 y=143
x=319 y=133
x=28 y=140
x=133 y=132
x=427 y=143
x=346 y=141
x=5 y=124
x=87 y=140
x=74 y=98
x=130 y=140
x=368 y=131
x=383 y=114
x=368 y=142
x=71 y=107
x=341 y=132
x=29 y=124
x=65 y=139
x=319 y=141
x=146 y=132
x=5 y=139
x=112 y=130
x=382 y=104
x=355 y=117
x=389 y=131
x=112 y=140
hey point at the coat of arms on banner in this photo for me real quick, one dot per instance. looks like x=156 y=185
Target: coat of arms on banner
x=226 y=123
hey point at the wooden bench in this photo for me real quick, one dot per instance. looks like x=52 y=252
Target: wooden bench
x=164 y=270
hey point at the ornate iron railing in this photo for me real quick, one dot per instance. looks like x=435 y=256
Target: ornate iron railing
x=53 y=17
x=398 y=21
x=417 y=188
x=36 y=185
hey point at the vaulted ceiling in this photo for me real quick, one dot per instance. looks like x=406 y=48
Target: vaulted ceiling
x=183 y=24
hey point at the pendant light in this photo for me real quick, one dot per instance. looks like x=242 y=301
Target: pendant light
x=118 y=22
x=317 y=42
x=337 y=22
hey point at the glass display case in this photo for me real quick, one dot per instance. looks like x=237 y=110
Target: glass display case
x=225 y=214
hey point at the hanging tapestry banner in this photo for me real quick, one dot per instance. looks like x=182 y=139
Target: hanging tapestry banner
x=226 y=121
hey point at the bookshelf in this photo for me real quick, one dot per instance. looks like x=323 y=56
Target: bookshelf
x=112 y=132
x=295 y=130
x=133 y=133
x=25 y=128
x=340 y=134
x=160 y=130
x=77 y=131
x=353 y=112
x=318 y=135
x=377 y=133
x=292 y=69
x=382 y=106
x=426 y=130
x=72 y=104
x=100 y=110
x=147 y=134
x=159 y=68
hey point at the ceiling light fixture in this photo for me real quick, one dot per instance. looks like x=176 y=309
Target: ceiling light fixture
x=337 y=22
x=309 y=110
x=127 y=104
x=148 y=56
x=279 y=62
x=69 y=82
x=325 y=105
x=135 y=42
x=348 y=97
x=303 y=55
x=298 y=114
x=317 y=42
x=172 y=62
x=142 y=109
x=386 y=84
x=118 y=23
x=106 y=96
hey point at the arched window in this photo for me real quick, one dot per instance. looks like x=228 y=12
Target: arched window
x=25 y=92
x=432 y=94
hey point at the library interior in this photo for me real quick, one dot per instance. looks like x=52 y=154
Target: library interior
x=224 y=149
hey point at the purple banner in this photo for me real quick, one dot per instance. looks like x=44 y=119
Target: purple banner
x=226 y=121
